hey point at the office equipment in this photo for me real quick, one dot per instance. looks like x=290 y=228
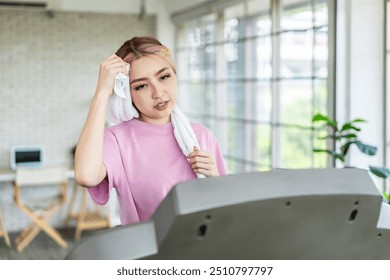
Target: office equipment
x=27 y=156
x=281 y=214
x=40 y=211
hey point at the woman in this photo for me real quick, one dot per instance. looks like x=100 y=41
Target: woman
x=140 y=157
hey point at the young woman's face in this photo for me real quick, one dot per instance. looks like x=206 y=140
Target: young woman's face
x=153 y=88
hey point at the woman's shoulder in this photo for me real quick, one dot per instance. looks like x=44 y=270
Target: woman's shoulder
x=118 y=131
x=123 y=126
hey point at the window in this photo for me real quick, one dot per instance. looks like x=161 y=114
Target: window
x=387 y=94
x=255 y=73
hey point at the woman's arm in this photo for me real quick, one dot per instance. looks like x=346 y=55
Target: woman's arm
x=89 y=167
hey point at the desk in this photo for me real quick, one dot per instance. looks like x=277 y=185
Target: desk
x=8 y=175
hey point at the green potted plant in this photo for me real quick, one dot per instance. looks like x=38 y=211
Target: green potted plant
x=344 y=136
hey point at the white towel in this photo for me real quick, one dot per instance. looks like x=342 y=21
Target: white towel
x=184 y=133
x=120 y=104
x=120 y=109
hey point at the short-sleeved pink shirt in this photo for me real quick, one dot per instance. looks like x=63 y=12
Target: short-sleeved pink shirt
x=144 y=162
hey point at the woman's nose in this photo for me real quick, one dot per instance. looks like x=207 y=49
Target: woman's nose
x=157 y=92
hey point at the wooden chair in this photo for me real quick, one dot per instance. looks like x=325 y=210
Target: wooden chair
x=41 y=210
x=86 y=219
x=3 y=231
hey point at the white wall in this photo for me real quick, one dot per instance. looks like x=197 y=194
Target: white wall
x=359 y=66
x=165 y=30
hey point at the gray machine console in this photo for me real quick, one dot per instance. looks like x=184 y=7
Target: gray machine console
x=280 y=214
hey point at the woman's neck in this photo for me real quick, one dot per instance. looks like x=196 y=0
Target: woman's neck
x=157 y=121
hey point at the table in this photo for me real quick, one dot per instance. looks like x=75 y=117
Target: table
x=8 y=175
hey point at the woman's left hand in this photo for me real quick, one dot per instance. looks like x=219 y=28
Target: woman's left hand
x=203 y=162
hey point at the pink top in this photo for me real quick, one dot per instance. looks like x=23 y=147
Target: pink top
x=144 y=162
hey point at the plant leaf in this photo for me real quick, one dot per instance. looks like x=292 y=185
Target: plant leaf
x=319 y=117
x=366 y=149
x=348 y=135
x=358 y=121
x=344 y=148
x=386 y=195
x=339 y=157
x=348 y=126
x=322 y=151
x=382 y=172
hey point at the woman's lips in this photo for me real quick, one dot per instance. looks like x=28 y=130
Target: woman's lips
x=161 y=105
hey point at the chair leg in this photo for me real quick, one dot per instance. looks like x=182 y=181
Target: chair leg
x=70 y=214
x=25 y=237
x=107 y=216
x=81 y=216
x=42 y=223
x=7 y=241
x=3 y=232
x=27 y=231
x=85 y=219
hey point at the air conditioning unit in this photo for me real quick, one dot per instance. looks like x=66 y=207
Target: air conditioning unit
x=30 y=4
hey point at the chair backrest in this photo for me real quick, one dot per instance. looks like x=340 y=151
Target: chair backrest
x=40 y=176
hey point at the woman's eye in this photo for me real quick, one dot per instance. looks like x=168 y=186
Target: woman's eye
x=140 y=87
x=165 y=77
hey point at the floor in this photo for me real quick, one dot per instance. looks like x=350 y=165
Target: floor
x=41 y=248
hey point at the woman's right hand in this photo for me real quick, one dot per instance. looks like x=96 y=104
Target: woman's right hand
x=111 y=66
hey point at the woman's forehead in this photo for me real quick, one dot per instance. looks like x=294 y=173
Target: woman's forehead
x=148 y=65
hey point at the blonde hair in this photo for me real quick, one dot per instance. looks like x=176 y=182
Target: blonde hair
x=138 y=47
